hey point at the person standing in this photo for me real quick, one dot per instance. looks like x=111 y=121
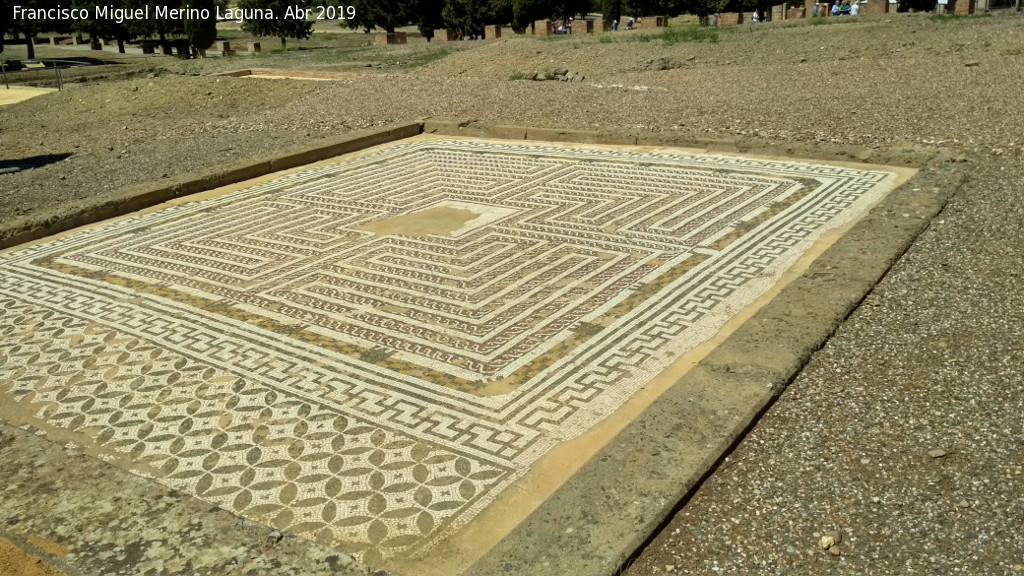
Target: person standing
x=855 y=9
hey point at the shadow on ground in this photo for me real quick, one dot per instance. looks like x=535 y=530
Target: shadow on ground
x=16 y=165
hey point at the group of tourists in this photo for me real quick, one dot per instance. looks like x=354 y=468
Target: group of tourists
x=837 y=8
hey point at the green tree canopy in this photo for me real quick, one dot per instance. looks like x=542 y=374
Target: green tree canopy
x=384 y=14
x=202 y=32
x=705 y=8
x=467 y=16
x=526 y=12
x=283 y=25
x=28 y=27
x=611 y=10
x=429 y=17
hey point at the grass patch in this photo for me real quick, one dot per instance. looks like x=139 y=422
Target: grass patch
x=947 y=18
x=517 y=76
x=680 y=34
x=821 y=20
x=418 y=59
x=605 y=39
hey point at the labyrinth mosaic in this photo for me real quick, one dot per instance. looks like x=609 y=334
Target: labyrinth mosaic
x=366 y=353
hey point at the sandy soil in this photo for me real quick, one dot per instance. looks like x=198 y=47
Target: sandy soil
x=15 y=562
x=16 y=94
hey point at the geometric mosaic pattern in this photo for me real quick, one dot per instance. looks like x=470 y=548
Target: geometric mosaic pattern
x=318 y=353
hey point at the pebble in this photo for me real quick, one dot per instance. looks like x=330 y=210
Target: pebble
x=937 y=453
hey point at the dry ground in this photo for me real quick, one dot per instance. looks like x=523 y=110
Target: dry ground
x=932 y=362
x=886 y=82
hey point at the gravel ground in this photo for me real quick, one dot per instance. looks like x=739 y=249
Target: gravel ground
x=931 y=363
x=904 y=434
x=751 y=82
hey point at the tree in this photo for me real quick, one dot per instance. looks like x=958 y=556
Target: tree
x=643 y=8
x=703 y=9
x=565 y=9
x=430 y=19
x=466 y=16
x=283 y=25
x=470 y=16
x=106 y=28
x=29 y=27
x=160 y=27
x=384 y=14
x=611 y=10
x=526 y=12
x=202 y=32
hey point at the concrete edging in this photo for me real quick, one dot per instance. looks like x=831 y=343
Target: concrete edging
x=909 y=155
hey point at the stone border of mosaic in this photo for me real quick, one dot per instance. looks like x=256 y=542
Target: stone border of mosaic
x=516 y=551
x=251 y=494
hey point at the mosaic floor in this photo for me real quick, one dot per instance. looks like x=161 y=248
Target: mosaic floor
x=368 y=352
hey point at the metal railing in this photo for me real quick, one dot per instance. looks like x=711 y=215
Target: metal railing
x=56 y=64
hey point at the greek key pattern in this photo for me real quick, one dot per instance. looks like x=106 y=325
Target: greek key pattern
x=366 y=353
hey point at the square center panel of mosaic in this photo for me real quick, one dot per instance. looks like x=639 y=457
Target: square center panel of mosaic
x=366 y=353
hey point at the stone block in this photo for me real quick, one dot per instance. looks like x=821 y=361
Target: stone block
x=444 y=127
x=445 y=35
x=795 y=12
x=582 y=27
x=254 y=47
x=963 y=7
x=560 y=135
x=390 y=38
x=652 y=22
x=509 y=132
x=875 y=7
x=492 y=32
x=730 y=18
x=543 y=28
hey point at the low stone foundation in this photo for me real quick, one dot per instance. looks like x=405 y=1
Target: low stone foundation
x=390 y=38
